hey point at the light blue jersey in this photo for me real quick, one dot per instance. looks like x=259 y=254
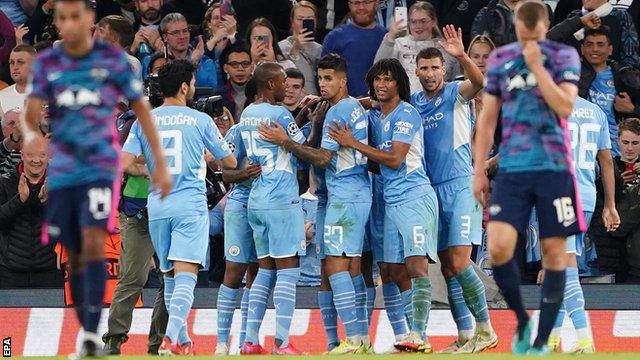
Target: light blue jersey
x=277 y=185
x=589 y=134
x=603 y=93
x=240 y=191
x=404 y=125
x=346 y=175
x=447 y=122
x=184 y=134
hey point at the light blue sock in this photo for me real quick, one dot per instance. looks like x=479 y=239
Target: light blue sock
x=574 y=299
x=371 y=299
x=284 y=300
x=260 y=290
x=226 y=306
x=407 y=303
x=395 y=310
x=361 y=304
x=474 y=294
x=243 y=310
x=180 y=304
x=329 y=317
x=560 y=319
x=344 y=298
x=169 y=285
x=461 y=314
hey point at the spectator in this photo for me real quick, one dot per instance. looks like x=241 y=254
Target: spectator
x=261 y=35
x=628 y=163
x=221 y=31
x=331 y=14
x=276 y=11
x=11 y=144
x=622 y=32
x=38 y=23
x=357 y=42
x=386 y=10
x=124 y=8
x=496 y=21
x=479 y=49
x=117 y=31
x=7 y=32
x=602 y=80
x=175 y=35
x=149 y=14
x=300 y=47
x=18 y=10
x=24 y=261
x=459 y=13
x=423 y=33
x=237 y=65
x=295 y=91
x=13 y=97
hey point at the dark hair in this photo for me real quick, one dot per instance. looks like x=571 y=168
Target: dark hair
x=294 y=73
x=156 y=56
x=173 y=74
x=264 y=73
x=531 y=12
x=25 y=48
x=250 y=91
x=629 y=124
x=121 y=27
x=261 y=21
x=238 y=47
x=333 y=62
x=88 y=3
x=393 y=68
x=430 y=53
x=602 y=30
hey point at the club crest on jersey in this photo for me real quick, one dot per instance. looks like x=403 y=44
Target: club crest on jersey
x=234 y=250
x=495 y=210
x=387 y=126
x=438 y=101
x=522 y=82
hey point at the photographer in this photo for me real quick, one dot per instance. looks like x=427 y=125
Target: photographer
x=24 y=261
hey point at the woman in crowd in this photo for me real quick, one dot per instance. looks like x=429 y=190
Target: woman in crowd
x=423 y=33
x=220 y=31
x=262 y=37
x=479 y=49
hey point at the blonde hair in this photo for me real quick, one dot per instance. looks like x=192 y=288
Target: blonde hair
x=480 y=39
x=301 y=4
x=431 y=12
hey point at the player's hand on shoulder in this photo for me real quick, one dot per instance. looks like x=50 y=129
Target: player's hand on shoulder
x=273 y=133
x=341 y=134
x=532 y=54
x=252 y=171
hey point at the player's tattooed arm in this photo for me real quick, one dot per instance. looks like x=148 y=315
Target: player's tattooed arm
x=240 y=175
x=276 y=135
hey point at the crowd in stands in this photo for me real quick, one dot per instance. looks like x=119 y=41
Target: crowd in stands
x=226 y=39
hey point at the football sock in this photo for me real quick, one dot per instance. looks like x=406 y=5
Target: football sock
x=421 y=300
x=329 y=317
x=260 y=290
x=95 y=278
x=407 y=302
x=345 y=302
x=284 y=300
x=507 y=276
x=552 y=295
x=474 y=294
x=574 y=303
x=361 y=304
x=461 y=314
x=180 y=305
x=371 y=298
x=243 y=310
x=394 y=307
x=226 y=306
x=76 y=280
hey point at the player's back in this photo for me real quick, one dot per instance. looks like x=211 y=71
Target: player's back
x=533 y=136
x=448 y=123
x=347 y=179
x=82 y=94
x=410 y=180
x=184 y=134
x=277 y=185
x=589 y=131
x=241 y=190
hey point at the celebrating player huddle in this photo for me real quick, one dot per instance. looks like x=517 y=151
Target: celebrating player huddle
x=395 y=184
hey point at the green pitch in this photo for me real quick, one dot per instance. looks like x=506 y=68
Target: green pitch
x=492 y=356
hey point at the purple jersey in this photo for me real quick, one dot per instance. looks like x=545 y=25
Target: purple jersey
x=82 y=94
x=533 y=137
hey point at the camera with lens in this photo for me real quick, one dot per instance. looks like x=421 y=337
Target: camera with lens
x=210 y=105
x=216 y=188
x=153 y=91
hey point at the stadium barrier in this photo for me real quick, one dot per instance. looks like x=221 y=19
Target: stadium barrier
x=54 y=331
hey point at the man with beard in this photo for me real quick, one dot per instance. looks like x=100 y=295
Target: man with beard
x=357 y=42
x=149 y=13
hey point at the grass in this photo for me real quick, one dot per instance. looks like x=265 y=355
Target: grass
x=492 y=356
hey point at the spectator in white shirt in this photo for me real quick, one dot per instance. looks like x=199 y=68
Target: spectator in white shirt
x=13 y=97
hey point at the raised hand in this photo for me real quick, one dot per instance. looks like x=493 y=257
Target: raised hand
x=452 y=43
x=23 y=188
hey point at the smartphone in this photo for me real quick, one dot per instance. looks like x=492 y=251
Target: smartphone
x=225 y=8
x=309 y=25
x=629 y=167
x=263 y=39
x=400 y=14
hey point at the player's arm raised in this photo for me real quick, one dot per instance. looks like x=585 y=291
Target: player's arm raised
x=560 y=97
x=454 y=46
x=392 y=158
x=160 y=175
x=485 y=128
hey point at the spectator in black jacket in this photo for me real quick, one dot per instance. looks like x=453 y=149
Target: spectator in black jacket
x=496 y=21
x=24 y=261
x=236 y=63
x=610 y=85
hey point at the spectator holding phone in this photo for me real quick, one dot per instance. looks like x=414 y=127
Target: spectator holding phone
x=423 y=33
x=261 y=35
x=301 y=47
x=221 y=28
x=628 y=163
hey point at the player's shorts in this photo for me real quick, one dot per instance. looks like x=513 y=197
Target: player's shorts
x=375 y=227
x=459 y=213
x=575 y=243
x=344 y=227
x=182 y=238
x=552 y=193
x=278 y=233
x=238 y=236
x=321 y=212
x=69 y=210
x=410 y=229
